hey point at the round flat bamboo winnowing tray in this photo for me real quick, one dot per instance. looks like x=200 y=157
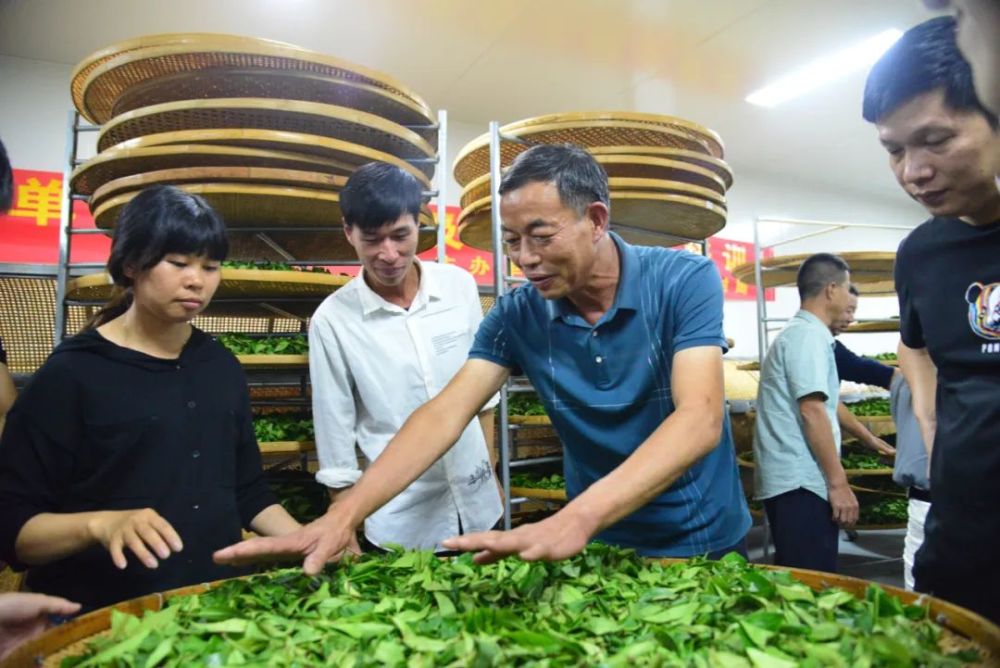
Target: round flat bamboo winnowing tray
x=699 y=132
x=541 y=494
x=871 y=271
x=961 y=628
x=272 y=361
x=242 y=292
x=243 y=205
x=322 y=246
x=325 y=120
x=891 y=325
x=343 y=155
x=251 y=175
x=286 y=447
x=533 y=420
x=474 y=159
x=653 y=215
x=118 y=163
x=697 y=158
x=136 y=61
x=629 y=172
x=739 y=384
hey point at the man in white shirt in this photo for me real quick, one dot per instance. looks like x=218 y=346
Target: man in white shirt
x=385 y=344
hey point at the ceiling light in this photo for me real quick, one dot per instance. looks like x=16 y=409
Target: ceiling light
x=825 y=70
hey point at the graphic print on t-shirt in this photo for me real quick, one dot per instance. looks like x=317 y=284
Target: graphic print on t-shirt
x=984 y=310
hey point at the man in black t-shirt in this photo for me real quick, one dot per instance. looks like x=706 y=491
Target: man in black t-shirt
x=944 y=149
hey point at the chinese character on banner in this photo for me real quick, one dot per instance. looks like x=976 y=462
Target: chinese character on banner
x=29 y=232
x=727 y=255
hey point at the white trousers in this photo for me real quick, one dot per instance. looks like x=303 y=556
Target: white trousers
x=916 y=515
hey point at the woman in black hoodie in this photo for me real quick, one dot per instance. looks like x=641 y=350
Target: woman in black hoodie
x=130 y=456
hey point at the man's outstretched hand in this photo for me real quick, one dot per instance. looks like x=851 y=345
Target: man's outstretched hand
x=557 y=537
x=324 y=540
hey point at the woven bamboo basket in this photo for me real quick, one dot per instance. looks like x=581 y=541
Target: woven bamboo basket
x=196 y=175
x=961 y=628
x=342 y=156
x=871 y=271
x=534 y=493
x=286 y=447
x=95 y=89
x=244 y=205
x=654 y=213
x=324 y=120
x=121 y=163
x=697 y=158
x=474 y=159
x=621 y=168
x=273 y=361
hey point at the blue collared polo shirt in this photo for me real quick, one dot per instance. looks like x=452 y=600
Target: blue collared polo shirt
x=606 y=388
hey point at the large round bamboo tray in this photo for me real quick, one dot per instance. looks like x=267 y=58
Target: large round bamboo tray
x=711 y=139
x=697 y=158
x=535 y=493
x=889 y=325
x=286 y=447
x=244 y=205
x=474 y=159
x=739 y=384
x=962 y=629
x=325 y=120
x=95 y=89
x=118 y=163
x=623 y=168
x=745 y=460
x=266 y=176
x=273 y=361
x=322 y=246
x=535 y=420
x=674 y=216
x=242 y=292
x=341 y=154
x=871 y=271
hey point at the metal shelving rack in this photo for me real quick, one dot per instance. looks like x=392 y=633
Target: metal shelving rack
x=67 y=269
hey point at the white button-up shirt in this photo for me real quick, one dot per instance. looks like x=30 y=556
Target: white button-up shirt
x=372 y=363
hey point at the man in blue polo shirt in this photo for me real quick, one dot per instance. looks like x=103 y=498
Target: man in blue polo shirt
x=624 y=346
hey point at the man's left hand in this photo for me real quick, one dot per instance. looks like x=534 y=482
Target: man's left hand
x=554 y=538
x=881 y=447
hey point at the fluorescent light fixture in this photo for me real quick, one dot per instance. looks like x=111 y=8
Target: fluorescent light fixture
x=826 y=69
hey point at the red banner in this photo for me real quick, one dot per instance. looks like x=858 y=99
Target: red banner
x=29 y=234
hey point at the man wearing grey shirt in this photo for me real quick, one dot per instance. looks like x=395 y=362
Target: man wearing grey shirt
x=797 y=437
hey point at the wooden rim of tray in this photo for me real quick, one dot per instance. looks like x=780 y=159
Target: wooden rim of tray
x=267 y=176
x=244 y=205
x=259 y=284
x=889 y=325
x=325 y=120
x=783 y=278
x=286 y=447
x=710 y=138
x=674 y=217
x=534 y=493
x=120 y=163
x=473 y=159
x=961 y=625
x=874 y=418
x=879 y=527
x=272 y=361
x=867 y=490
x=195 y=51
x=869 y=473
x=535 y=420
x=749 y=366
x=715 y=165
x=344 y=155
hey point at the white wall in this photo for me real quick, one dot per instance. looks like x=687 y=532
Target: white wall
x=33 y=119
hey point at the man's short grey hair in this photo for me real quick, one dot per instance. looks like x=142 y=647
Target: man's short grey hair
x=579 y=178
x=819 y=271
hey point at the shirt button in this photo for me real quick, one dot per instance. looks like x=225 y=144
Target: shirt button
x=195 y=507
x=598 y=359
x=594 y=333
x=196 y=454
x=191 y=404
x=178 y=367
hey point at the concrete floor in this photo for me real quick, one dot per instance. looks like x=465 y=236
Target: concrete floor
x=874 y=555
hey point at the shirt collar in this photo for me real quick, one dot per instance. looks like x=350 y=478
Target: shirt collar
x=428 y=290
x=814 y=321
x=626 y=294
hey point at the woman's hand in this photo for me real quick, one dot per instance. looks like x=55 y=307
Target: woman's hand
x=142 y=531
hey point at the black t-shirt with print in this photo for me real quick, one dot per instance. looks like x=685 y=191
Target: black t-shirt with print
x=948 y=282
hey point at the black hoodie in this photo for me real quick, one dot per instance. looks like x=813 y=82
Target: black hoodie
x=102 y=427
